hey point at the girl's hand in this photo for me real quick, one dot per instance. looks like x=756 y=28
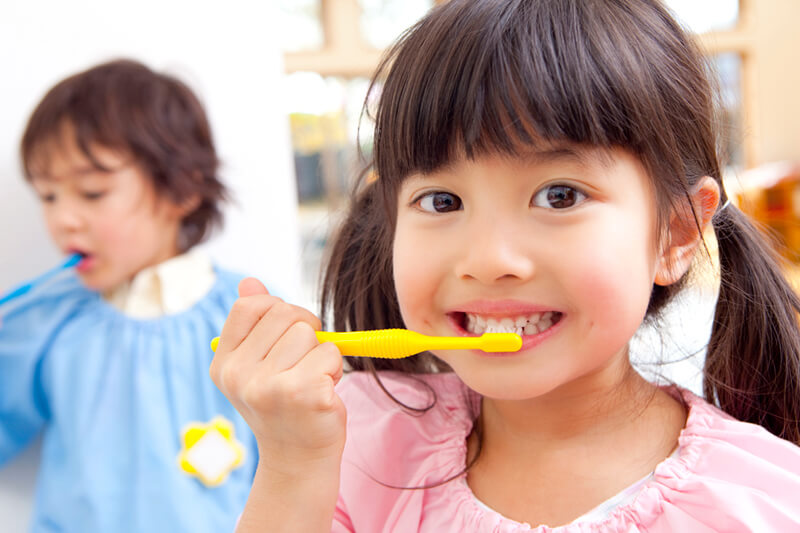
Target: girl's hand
x=272 y=369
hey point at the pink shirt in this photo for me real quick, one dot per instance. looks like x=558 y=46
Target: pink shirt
x=727 y=475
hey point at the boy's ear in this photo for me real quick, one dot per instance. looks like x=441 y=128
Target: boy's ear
x=189 y=205
x=182 y=209
x=683 y=236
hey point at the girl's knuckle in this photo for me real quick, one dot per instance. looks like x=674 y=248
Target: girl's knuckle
x=257 y=395
x=286 y=387
x=229 y=378
x=241 y=306
x=252 y=307
x=282 y=308
x=214 y=371
x=301 y=328
x=330 y=351
x=326 y=399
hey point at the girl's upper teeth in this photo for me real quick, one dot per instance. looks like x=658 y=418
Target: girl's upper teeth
x=521 y=325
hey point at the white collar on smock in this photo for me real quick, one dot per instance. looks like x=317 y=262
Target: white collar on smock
x=166 y=288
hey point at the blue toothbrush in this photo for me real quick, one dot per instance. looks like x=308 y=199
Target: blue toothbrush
x=71 y=261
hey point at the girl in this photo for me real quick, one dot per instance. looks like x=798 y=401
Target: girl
x=110 y=361
x=546 y=167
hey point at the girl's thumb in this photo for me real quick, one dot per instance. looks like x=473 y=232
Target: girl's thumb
x=251 y=287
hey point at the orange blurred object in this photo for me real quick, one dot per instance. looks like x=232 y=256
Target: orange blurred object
x=770 y=194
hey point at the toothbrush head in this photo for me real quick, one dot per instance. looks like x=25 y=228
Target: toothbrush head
x=500 y=342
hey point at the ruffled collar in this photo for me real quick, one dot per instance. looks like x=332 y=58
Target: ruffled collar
x=455 y=398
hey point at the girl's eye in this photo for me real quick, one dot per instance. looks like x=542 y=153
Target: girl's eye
x=93 y=195
x=47 y=198
x=439 y=202
x=558 y=197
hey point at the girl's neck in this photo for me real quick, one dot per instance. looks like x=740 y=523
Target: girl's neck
x=551 y=459
x=591 y=405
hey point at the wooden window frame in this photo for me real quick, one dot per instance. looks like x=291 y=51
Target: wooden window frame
x=766 y=102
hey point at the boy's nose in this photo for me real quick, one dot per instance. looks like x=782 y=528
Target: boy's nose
x=493 y=252
x=66 y=218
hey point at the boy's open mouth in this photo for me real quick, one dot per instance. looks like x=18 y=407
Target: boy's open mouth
x=528 y=324
x=85 y=262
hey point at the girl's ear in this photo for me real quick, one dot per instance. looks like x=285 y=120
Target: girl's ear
x=683 y=236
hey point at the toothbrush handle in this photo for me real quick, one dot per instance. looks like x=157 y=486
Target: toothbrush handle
x=379 y=343
x=19 y=291
x=384 y=343
x=392 y=343
x=25 y=287
x=399 y=343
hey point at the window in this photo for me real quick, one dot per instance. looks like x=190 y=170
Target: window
x=328 y=68
x=703 y=17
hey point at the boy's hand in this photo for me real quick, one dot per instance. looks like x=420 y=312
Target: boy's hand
x=274 y=371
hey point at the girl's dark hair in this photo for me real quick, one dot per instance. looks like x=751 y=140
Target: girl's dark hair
x=156 y=118
x=486 y=76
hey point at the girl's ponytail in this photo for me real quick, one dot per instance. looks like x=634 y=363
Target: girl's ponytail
x=752 y=368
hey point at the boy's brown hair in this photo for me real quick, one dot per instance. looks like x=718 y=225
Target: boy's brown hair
x=123 y=105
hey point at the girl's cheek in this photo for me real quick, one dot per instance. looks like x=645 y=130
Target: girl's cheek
x=615 y=297
x=406 y=298
x=414 y=290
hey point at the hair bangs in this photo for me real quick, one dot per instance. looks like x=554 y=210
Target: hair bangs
x=458 y=86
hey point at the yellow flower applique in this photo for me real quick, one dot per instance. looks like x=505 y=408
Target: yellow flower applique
x=210 y=451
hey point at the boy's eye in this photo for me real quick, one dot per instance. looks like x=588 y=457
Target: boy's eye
x=93 y=195
x=439 y=202
x=558 y=197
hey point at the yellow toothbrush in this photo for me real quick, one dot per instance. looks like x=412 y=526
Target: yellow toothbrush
x=398 y=343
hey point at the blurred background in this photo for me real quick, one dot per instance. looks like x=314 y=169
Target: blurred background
x=284 y=83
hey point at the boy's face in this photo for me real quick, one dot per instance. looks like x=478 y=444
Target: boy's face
x=559 y=248
x=115 y=219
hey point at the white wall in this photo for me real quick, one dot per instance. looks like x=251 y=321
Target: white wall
x=227 y=54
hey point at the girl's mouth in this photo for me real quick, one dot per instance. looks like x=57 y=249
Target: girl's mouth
x=522 y=325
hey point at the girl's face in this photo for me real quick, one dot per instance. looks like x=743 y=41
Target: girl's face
x=115 y=219
x=558 y=246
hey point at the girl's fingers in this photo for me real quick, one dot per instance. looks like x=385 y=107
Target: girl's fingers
x=323 y=359
x=243 y=316
x=290 y=347
x=253 y=302
x=251 y=287
x=309 y=384
x=272 y=326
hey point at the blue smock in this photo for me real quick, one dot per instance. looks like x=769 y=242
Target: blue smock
x=112 y=395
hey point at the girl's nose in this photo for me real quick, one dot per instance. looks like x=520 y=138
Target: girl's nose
x=494 y=252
